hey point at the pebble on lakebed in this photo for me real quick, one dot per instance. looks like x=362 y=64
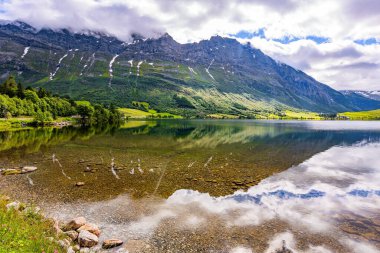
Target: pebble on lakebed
x=79 y=184
x=18 y=170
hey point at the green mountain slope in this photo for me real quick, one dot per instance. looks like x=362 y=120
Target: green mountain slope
x=219 y=75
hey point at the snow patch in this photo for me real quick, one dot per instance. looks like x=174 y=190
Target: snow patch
x=138 y=68
x=192 y=70
x=111 y=63
x=130 y=62
x=52 y=75
x=111 y=71
x=26 y=50
x=207 y=70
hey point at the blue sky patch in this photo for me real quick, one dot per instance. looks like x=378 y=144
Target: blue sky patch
x=285 y=40
x=365 y=42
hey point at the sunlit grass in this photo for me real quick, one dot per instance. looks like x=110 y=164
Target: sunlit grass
x=27 y=232
x=139 y=114
x=363 y=115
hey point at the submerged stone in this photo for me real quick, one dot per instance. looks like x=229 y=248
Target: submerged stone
x=111 y=243
x=28 y=169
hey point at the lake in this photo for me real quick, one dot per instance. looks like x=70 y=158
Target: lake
x=208 y=185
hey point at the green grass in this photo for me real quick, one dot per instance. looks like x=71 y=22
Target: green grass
x=25 y=232
x=84 y=102
x=222 y=116
x=134 y=113
x=302 y=115
x=139 y=114
x=363 y=115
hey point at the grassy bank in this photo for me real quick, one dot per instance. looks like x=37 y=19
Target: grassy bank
x=363 y=115
x=25 y=122
x=25 y=231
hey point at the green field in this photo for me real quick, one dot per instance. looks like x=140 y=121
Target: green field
x=139 y=114
x=363 y=115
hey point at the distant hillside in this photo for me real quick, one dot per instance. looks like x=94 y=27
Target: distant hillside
x=219 y=75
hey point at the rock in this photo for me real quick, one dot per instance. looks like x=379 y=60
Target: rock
x=72 y=234
x=76 y=247
x=79 y=184
x=65 y=243
x=283 y=249
x=8 y=172
x=92 y=228
x=74 y=224
x=31 y=209
x=136 y=246
x=87 y=239
x=70 y=250
x=28 y=169
x=57 y=227
x=111 y=243
x=87 y=169
x=14 y=205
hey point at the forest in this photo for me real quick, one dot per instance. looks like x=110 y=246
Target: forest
x=17 y=101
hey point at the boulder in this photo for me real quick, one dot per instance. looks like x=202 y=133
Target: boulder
x=72 y=234
x=65 y=243
x=13 y=205
x=74 y=224
x=87 y=239
x=92 y=228
x=28 y=169
x=111 y=243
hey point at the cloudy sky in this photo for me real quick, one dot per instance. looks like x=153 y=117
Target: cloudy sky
x=336 y=41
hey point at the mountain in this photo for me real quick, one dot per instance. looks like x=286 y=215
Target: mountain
x=216 y=75
x=374 y=94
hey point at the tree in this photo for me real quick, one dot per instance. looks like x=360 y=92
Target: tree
x=9 y=87
x=20 y=91
x=85 y=111
x=42 y=117
x=31 y=95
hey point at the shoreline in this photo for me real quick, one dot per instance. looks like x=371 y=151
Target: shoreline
x=15 y=124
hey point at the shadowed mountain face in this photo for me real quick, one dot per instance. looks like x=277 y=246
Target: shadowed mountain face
x=216 y=75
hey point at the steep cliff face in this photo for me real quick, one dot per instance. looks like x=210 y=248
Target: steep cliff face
x=216 y=75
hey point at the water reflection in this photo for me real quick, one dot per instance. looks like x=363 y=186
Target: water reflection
x=328 y=203
x=210 y=185
x=158 y=157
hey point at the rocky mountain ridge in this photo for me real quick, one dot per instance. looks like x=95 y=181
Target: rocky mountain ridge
x=215 y=75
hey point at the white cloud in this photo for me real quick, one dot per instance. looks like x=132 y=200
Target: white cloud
x=342 y=64
x=334 y=63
